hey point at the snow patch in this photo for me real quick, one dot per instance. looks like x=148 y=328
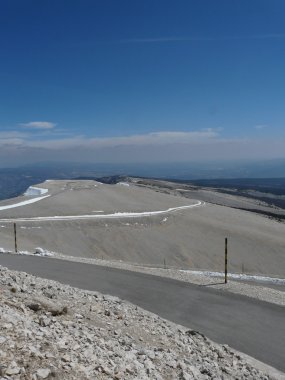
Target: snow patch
x=30 y=228
x=35 y=191
x=43 y=252
x=24 y=203
x=123 y=184
x=38 y=252
x=239 y=276
x=24 y=253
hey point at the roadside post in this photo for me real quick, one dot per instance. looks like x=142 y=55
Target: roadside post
x=226 y=260
x=15 y=234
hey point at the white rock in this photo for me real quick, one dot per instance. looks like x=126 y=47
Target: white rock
x=13 y=371
x=43 y=373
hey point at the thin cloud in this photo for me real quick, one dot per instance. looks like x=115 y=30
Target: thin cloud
x=12 y=134
x=149 y=139
x=12 y=138
x=163 y=146
x=260 y=127
x=203 y=39
x=153 y=139
x=39 y=125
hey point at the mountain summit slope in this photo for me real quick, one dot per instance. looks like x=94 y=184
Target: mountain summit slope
x=133 y=223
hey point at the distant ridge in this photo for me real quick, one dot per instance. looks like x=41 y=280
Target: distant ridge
x=269 y=176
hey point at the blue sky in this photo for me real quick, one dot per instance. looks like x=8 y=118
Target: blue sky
x=151 y=80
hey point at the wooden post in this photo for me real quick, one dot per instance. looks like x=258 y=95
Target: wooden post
x=226 y=260
x=15 y=234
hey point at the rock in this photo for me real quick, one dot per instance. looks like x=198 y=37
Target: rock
x=49 y=355
x=195 y=372
x=43 y=373
x=12 y=371
x=65 y=358
x=7 y=326
x=44 y=321
x=172 y=363
x=187 y=376
x=2 y=370
x=34 y=306
x=61 y=311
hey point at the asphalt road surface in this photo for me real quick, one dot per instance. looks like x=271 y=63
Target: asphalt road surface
x=254 y=327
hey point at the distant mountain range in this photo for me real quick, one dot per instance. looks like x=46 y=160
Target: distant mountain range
x=265 y=176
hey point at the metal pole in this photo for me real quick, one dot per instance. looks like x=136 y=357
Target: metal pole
x=226 y=260
x=15 y=234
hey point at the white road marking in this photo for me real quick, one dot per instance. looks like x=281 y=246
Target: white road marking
x=116 y=215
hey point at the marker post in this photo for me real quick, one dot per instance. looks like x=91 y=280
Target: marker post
x=226 y=260
x=15 y=234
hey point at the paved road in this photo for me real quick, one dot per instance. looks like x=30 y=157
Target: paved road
x=116 y=215
x=251 y=326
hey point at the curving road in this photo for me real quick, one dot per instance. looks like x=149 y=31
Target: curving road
x=116 y=215
x=254 y=327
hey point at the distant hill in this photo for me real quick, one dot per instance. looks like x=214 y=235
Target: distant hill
x=266 y=185
x=266 y=175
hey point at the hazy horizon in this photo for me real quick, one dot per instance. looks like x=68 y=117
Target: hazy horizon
x=177 y=170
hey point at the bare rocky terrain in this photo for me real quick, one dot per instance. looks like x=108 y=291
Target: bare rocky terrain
x=49 y=330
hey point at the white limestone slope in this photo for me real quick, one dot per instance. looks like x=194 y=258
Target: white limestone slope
x=50 y=330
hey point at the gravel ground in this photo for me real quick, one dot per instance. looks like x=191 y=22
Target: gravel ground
x=53 y=331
